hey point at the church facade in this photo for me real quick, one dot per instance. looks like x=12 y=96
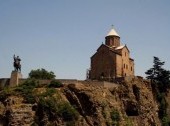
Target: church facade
x=112 y=59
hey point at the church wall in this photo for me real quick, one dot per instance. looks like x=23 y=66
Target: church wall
x=112 y=67
x=119 y=51
x=119 y=66
x=126 y=62
x=101 y=65
x=132 y=69
x=107 y=64
x=97 y=62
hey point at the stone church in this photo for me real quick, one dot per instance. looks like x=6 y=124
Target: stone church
x=112 y=59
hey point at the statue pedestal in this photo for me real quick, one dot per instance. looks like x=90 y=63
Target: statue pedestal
x=14 y=80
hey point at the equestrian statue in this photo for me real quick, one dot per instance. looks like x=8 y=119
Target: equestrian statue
x=17 y=64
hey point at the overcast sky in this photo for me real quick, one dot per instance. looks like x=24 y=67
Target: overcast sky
x=62 y=35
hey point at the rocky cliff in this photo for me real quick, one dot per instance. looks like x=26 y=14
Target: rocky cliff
x=127 y=103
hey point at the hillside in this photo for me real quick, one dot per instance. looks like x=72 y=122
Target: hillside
x=127 y=103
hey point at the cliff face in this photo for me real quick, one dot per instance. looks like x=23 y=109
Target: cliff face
x=14 y=112
x=129 y=103
x=168 y=101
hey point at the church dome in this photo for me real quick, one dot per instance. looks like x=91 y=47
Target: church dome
x=113 y=33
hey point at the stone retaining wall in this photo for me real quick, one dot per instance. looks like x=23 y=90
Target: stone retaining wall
x=100 y=83
x=4 y=82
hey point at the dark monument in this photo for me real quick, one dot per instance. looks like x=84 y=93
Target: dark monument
x=17 y=64
x=16 y=74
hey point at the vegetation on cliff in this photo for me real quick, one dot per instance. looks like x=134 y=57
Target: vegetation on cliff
x=160 y=81
x=48 y=104
x=41 y=74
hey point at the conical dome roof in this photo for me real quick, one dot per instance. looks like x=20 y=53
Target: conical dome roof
x=113 y=33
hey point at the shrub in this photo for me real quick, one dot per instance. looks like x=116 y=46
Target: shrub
x=26 y=89
x=55 y=84
x=41 y=74
x=67 y=112
x=165 y=121
x=54 y=107
x=63 y=109
x=48 y=104
x=162 y=105
x=5 y=93
x=115 y=117
x=49 y=92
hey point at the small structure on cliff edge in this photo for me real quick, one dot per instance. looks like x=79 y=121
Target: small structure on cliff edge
x=16 y=74
x=112 y=60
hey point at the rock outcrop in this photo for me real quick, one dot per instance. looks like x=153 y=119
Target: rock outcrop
x=168 y=101
x=127 y=103
x=14 y=112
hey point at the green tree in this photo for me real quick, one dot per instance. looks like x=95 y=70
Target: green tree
x=159 y=77
x=160 y=82
x=41 y=74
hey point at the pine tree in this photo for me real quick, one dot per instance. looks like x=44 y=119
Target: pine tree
x=160 y=82
x=159 y=77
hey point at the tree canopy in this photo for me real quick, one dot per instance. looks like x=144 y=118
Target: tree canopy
x=160 y=82
x=158 y=75
x=41 y=74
